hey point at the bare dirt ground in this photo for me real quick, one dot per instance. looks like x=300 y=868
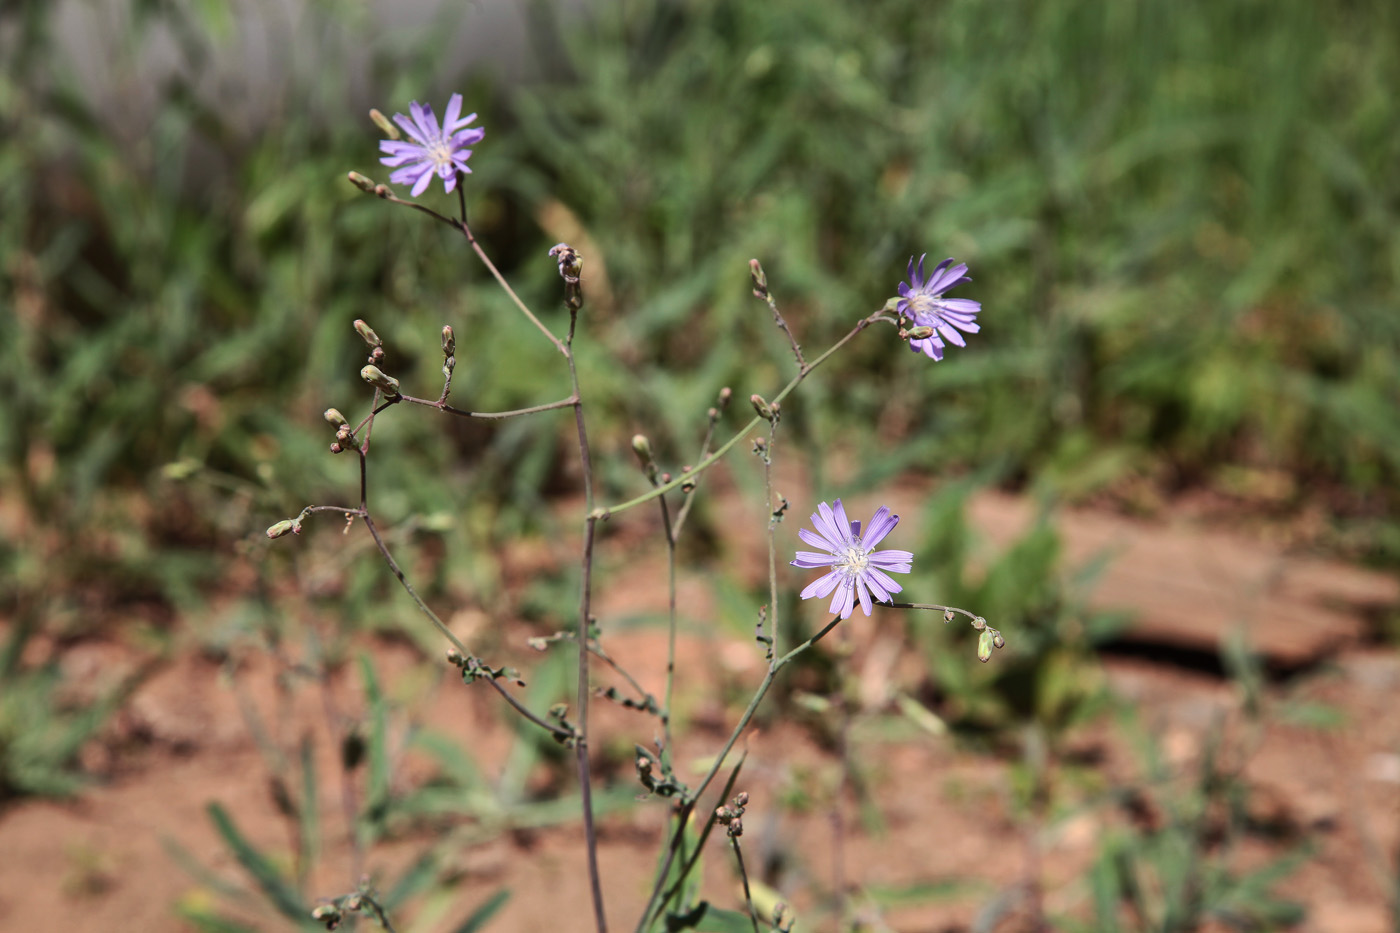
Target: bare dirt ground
x=101 y=862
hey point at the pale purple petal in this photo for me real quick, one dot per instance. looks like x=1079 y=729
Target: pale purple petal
x=881 y=558
x=881 y=524
x=864 y=595
x=814 y=539
x=844 y=600
x=450 y=115
x=842 y=522
x=875 y=576
x=953 y=337
x=809 y=559
x=822 y=586
x=875 y=585
x=825 y=521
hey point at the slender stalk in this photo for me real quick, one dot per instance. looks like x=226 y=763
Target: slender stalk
x=654 y=903
x=590 y=523
x=773 y=517
x=748 y=897
x=514 y=413
x=715 y=457
x=670 y=623
x=462 y=227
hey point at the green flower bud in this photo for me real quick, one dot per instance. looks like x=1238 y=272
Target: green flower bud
x=287 y=526
x=998 y=640
x=375 y=377
x=384 y=123
x=449 y=340
x=760 y=281
x=762 y=407
x=892 y=306
x=359 y=181
x=922 y=332
x=334 y=417
x=979 y=623
x=984 y=646
x=367 y=334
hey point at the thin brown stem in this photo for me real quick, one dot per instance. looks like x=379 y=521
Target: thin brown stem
x=748 y=896
x=653 y=906
x=462 y=227
x=715 y=457
x=590 y=524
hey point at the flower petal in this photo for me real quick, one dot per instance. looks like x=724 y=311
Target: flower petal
x=889 y=584
x=822 y=585
x=809 y=559
x=864 y=594
x=881 y=524
x=844 y=600
x=825 y=521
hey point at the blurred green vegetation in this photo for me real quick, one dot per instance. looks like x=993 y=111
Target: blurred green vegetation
x=1179 y=220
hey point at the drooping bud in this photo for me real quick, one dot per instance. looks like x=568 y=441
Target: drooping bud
x=287 y=526
x=759 y=405
x=984 y=646
x=334 y=417
x=998 y=640
x=892 y=306
x=947 y=615
x=384 y=123
x=376 y=377
x=367 y=334
x=449 y=340
x=760 y=281
x=366 y=185
x=979 y=623
x=922 y=332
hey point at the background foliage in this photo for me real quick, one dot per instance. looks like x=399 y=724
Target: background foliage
x=1180 y=219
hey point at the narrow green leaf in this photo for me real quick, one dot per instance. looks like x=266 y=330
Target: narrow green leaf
x=485 y=912
x=278 y=891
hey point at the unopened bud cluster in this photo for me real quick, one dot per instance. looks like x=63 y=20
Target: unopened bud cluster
x=989 y=639
x=765 y=410
x=732 y=816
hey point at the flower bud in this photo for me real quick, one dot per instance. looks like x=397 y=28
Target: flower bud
x=375 y=377
x=998 y=640
x=287 y=526
x=984 y=646
x=449 y=340
x=922 y=332
x=760 y=406
x=336 y=447
x=979 y=623
x=367 y=334
x=892 y=306
x=334 y=417
x=384 y=124
x=947 y=615
x=359 y=181
x=760 y=281
x=641 y=446
x=743 y=799
x=725 y=394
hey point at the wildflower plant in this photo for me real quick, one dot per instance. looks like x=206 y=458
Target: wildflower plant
x=856 y=572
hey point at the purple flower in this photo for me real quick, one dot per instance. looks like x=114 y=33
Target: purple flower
x=856 y=569
x=431 y=149
x=922 y=302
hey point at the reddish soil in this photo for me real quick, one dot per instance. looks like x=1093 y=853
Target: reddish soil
x=100 y=862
